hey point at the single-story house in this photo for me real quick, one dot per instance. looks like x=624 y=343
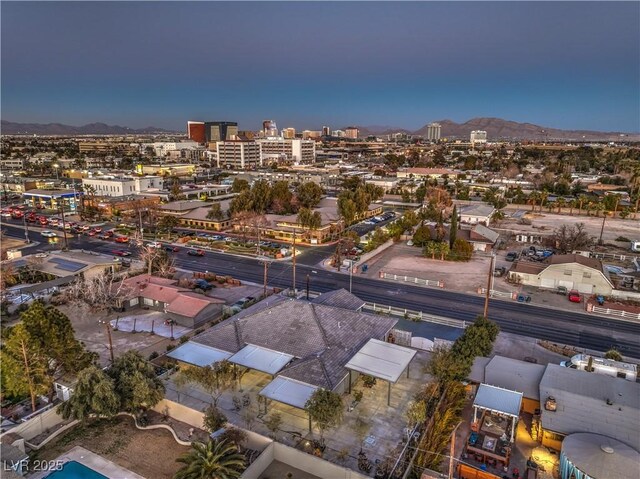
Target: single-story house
x=572 y=271
x=70 y=263
x=481 y=238
x=185 y=307
x=474 y=214
x=423 y=173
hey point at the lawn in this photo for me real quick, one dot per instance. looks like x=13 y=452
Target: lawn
x=151 y=454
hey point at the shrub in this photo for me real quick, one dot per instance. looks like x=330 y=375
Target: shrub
x=357 y=395
x=170 y=347
x=183 y=339
x=623 y=238
x=368 y=381
x=153 y=355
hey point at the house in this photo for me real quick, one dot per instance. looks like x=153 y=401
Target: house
x=582 y=402
x=474 y=214
x=481 y=238
x=182 y=305
x=303 y=345
x=573 y=271
x=425 y=173
x=70 y=263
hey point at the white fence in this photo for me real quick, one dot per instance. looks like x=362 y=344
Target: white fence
x=613 y=312
x=417 y=315
x=498 y=294
x=411 y=279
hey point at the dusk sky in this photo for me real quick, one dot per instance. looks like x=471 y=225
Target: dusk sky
x=572 y=65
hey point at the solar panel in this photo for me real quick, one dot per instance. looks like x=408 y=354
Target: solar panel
x=67 y=265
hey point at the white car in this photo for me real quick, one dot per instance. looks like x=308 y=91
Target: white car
x=154 y=244
x=48 y=234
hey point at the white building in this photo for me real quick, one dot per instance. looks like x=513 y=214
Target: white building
x=12 y=163
x=289 y=150
x=238 y=154
x=289 y=133
x=123 y=185
x=338 y=133
x=478 y=137
x=163 y=148
x=433 y=131
x=352 y=132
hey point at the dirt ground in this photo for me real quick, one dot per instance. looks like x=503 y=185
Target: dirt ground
x=151 y=454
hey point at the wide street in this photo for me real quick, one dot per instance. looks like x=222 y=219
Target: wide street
x=571 y=328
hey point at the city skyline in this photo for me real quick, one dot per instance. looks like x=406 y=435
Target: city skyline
x=569 y=65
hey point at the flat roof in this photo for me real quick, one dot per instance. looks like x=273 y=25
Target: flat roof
x=498 y=400
x=198 y=354
x=288 y=391
x=261 y=359
x=381 y=360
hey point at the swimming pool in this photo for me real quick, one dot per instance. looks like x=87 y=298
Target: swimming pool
x=75 y=470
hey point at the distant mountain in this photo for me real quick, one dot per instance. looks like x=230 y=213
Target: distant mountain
x=497 y=129
x=11 y=128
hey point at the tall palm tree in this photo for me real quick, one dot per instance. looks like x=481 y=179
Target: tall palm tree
x=560 y=203
x=582 y=200
x=534 y=196
x=213 y=460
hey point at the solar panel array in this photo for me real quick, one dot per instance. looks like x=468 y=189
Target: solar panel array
x=67 y=265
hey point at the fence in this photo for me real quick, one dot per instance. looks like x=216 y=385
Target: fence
x=417 y=315
x=498 y=294
x=613 y=312
x=411 y=279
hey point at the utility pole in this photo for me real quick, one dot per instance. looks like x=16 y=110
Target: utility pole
x=350 y=275
x=307 y=286
x=452 y=451
x=604 y=218
x=266 y=265
x=64 y=229
x=488 y=295
x=108 y=328
x=294 y=261
x=26 y=229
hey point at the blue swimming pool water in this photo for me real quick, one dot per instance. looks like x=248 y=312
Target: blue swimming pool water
x=75 y=470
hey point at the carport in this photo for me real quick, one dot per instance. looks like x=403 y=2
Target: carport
x=288 y=391
x=381 y=360
x=261 y=359
x=198 y=354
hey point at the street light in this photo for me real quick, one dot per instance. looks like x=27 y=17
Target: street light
x=56 y=166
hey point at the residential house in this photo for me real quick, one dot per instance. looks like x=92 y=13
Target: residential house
x=425 y=173
x=474 y=214
x=573 y=271
x=482 y=238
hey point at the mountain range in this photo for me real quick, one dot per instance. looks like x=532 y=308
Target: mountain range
x=499 y=129
x=11 y=128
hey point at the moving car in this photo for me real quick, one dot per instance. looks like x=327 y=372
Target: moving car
x=154 y=244
x=195 y=252
x=121 y=252
x=171 y=249
x=48 y=234
x=574 y=296
x=122 y=239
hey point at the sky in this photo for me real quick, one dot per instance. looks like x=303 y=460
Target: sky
x=573 y=65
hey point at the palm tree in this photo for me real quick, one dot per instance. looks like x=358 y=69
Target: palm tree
x=533 y=198
x=561 y=203
x=213 y=460
x=582 y=200
x=543 y=197
x=430 y=249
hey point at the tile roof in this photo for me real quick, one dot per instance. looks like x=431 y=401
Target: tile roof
x=581 y=404
x=321 y=337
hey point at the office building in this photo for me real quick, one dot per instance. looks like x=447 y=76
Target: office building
x=478 y=137
x=351 y=132
x=289 y=133
x=310 y=134
x=220 y=131
x=238 y=154
x=287 y=150
x=122 y=185
x=433 y=131
x=338 y=133
x=269 y=129
x=195 y=131
x=326 y=131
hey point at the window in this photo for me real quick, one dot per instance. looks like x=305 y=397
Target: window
x=586 y=274
x=567 y=272
x=621 y=375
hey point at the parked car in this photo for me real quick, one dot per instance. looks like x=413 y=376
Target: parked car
x=562 y=290
x=241 y=303
x=574 y=296
x=499 y=271
x=48 y=234
x=195 y=252
x=203 y=285
x=154 y=244
x=511 y=256
x=121 y=252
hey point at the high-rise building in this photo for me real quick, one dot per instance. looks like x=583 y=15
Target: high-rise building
x=338 y=133
x=195 y=131
x=269 y=129
x=478 y=136
x=290 y=150
x=308 y=134
x=238 y=154
x=433 y=131
x=326 y=131
x=289 y=133
x=220 y=131
x=351 y=132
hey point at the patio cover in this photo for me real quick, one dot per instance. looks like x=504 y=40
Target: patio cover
x=499 y=400
x=288 y=391
x=381 y=360
x=261 y=359
x=198 y=354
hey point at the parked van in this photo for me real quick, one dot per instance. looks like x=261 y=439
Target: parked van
x=635 y=246
x=609 y=367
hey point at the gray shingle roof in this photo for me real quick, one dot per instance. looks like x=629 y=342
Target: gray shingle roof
x=339 y=298
x=322 y=338
x=515 y=375
x=581 y=404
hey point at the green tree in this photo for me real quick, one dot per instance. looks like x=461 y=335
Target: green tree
x=309 y=194
x=167 y=223
x=453 y=230
x=462 y=250
x=215 y=212
x=445 y=367
x=239 y=185
x=430 y=249
x=347 y=209
x=422 y=236
x=242 y=202
x=93 y=393
x=281 y=201
x=325 y=409
x=213 y=460
x=214 y=379
x=261 y=196
x=175 y=192
x=613 y=354
x=136 y=383
x=214 y=419
x=24 y=365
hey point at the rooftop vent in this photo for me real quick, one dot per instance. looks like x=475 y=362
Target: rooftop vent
x=607 y=449
x=550 y=404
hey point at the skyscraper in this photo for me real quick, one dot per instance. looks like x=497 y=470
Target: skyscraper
x=220 y=131
x=326 y=131
x=433 y=131
x=195 y=131
x=289 y=133
x=269 y=129
x=352 y=132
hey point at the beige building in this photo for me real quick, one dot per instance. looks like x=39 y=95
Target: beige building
x=572 y=271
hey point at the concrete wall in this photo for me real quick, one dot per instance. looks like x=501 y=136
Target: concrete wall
x=260 y=464
x=367 y=256
x=181 y=413
x=38 y=424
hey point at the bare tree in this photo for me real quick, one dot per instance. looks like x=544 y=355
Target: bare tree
x=156 y=260
x=101 y=293
x=571 y=238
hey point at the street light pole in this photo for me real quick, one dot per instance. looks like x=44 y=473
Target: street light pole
x=64 y=229
x=26 y=229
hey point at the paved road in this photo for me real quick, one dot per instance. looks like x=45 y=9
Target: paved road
x=576 y=329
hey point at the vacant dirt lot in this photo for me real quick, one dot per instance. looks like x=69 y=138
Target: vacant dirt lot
x=151 y=454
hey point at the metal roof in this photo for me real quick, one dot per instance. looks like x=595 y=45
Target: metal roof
x=515 y=375
x=381 y=360
x=599 y=456
x=198 y=354
x=498 y=400
x=581 y=404
x=288 y=391
x=261 y=359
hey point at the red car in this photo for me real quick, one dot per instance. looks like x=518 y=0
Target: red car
x=121 y=252
x=122 y=239
x=574 y=296
x=195 y=252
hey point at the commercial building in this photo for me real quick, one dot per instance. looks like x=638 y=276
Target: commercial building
x=424 y=173
x=352 y=133
x=477 y=214
x=289 y=133
x=122 y=185
x=12 y=163
x=326 y=131
x=478 y=137
x=220 y=131
x=433 y=131
x=269 y=129
x=238 y=154
x=288 y=150
x=309 y=134
x=51 y=199
x=195 y=131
